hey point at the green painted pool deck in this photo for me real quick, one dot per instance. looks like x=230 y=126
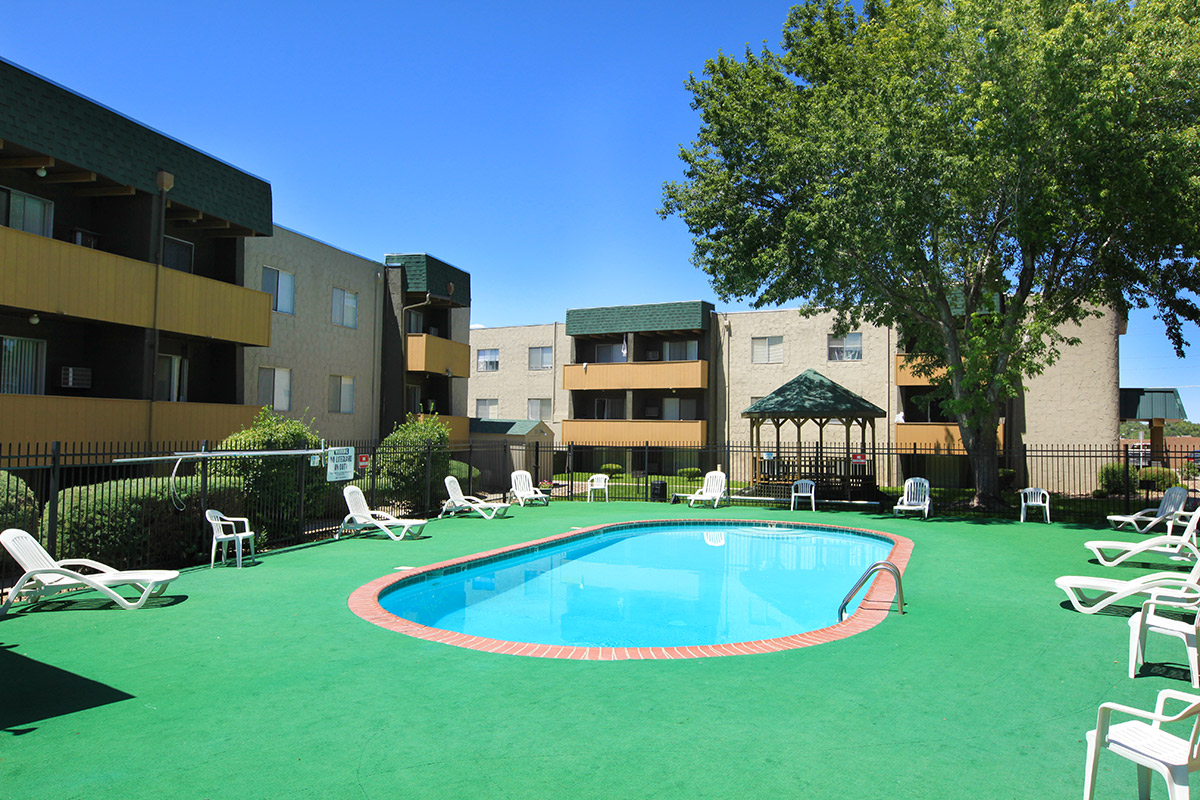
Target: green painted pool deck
x=262 y=683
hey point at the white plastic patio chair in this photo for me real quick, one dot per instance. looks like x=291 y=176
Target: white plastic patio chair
x=225 y=532
x=1172 y=501
x=361 y=514
x=524 y=491
x=915 y=497
x=45 y=576
x=1181 y=547
x=1147 y=745
x=1035 y=498
x=458 y=502
x=1148 y=620
x=1089 y=595
x=804 y=488
x=597 y=483
x=713 y=489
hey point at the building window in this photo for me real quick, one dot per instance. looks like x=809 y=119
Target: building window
x=341 y=394
x=539 y=408
x=846 y=348
x=22 y=366
x=177 y=254
x=687 y=350
x=488 y=360
x=487 y=408
x=26 y=212
x=416 y=322
x=678 y=408
x=541 y=358
x=610 y=408
x=345 y=308
x=170 y=384
x=282 y=288
x=610 y=353
x=766 y=349
x=275 y=388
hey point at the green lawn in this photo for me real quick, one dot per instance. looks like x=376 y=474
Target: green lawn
x=261 y=683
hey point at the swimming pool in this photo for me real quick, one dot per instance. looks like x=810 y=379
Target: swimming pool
x=645 y=589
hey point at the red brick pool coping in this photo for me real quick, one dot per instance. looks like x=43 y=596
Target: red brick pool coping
x=873 y=609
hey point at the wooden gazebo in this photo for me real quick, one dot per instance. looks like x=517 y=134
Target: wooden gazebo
x=811 y=397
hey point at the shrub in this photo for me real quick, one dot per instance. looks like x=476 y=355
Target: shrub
x=1007 y=478
x=1188 y=470
x=1163 y=477
x=135 y=523
x=18 y=504
x=689 y=473
x=463 y=471
x=612 y=469
x=1116 y=478
x=273 y=481
x=402 y=459
x=1099 y=494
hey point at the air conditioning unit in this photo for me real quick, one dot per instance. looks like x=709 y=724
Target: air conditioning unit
x=652 y=355
x=76 y=378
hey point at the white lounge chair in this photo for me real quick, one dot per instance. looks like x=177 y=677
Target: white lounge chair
x=1089 y=595
x=915 y=497
x=804 y=488
x=597 y=483
x=712 y=489
x=1035 y=498
x=1172 y=501
x=1180 y=547
x=524 y=491
x=361 y=514
x=1148 y=620
x=45 y=576
x=1147 y=745
x=458 y=502
x=226 y=532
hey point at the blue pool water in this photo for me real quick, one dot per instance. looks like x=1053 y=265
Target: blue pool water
x=648 y=585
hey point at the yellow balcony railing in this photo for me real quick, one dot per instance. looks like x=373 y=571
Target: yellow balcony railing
x=637 y=375
x=434 y=354
x=634 y=431
x=53 y=277
x=936 y=435
x=904 y=376
x=26 y=418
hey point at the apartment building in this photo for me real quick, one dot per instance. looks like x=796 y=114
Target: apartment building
x=681 y=373
x=122 y=311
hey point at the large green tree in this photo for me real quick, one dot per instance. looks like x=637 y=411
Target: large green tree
x=981 y=174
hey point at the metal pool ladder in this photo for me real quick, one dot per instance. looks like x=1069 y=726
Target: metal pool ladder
x=878 y=566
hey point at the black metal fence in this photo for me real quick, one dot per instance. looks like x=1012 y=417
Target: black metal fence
x=135 y=506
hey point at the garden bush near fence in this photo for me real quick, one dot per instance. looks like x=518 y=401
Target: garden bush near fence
x=401 y=460
x=18 y=505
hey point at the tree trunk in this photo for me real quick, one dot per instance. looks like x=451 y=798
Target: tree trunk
x=979 y=440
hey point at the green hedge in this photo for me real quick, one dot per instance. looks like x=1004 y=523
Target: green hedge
x=1163 y=477
x=1117 y=478
x=402 y=454
x=18 y=504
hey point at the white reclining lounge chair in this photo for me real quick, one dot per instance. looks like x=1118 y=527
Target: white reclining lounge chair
x=524 y=491
x=713 y=489
x=1181 y=547
x=915 y=497
x=1172 y=501
x=45 y=576
x=361 y=514
x=1147 y=745
x=1089 y=595
x=458 y=502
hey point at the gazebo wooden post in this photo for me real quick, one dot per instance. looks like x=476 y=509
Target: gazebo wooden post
x=849 y=423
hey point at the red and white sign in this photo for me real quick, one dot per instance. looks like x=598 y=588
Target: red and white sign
x=858 y=458
x=363 y=460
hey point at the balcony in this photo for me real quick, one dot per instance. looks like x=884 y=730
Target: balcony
x=637 y=375
x=54 y=277
x=634 y=431
x=460 y=427
x=936 y=436
x=27 y=418
x=906 y=378
x=439 y=356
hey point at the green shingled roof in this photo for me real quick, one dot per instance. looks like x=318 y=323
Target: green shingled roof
x=688 y=316
x=424 y=273
x=509 y=427
x=53 y=120
x=811 y=395
x=1147 y=404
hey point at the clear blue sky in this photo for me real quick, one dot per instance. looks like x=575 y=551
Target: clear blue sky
x=525 y=142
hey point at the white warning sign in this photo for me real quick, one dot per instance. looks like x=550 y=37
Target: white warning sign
x=339 y=463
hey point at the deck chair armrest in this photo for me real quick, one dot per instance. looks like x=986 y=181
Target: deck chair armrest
x=83 y=562
x=1103 y=716
x=1160 y=707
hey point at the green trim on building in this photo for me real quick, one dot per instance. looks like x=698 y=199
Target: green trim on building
x=1148 y=404
x=53 y=120
x=424 y=273
x=686 y=316
x=811 y=395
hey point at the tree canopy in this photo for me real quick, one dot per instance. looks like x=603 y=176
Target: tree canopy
x=979 y=174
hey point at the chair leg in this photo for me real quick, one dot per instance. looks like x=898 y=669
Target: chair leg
x=1177 y=783
x=253 y=560
x=1193 y=659
x=1137 y=643
x=1047 y=515
x=1143 y=780
x=213 y=556
x=238 y=544
x=1089 y=767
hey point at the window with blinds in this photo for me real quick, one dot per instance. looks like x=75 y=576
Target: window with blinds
x=22 y=365
x=766 y=349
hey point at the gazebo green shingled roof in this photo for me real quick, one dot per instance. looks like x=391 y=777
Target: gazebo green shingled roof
x=811 y=395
